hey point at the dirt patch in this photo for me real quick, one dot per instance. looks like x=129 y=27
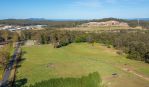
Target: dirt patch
x=133 y=72
x=50 y=65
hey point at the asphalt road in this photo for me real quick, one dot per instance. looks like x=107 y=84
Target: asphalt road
x=9 y=67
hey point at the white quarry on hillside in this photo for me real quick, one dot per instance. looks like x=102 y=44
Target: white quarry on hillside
x=107 y=23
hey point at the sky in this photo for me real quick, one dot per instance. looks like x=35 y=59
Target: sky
x=73 y=9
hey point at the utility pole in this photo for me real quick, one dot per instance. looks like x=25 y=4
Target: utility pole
x=138 y=22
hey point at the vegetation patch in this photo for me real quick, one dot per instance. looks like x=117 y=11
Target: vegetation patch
x=92 y=80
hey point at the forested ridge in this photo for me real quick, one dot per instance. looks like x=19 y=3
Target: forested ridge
x=59 y=24
x=50 y=24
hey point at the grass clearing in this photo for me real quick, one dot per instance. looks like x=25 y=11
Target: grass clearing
x=75 y=60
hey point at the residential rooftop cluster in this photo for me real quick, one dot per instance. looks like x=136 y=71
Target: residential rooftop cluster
x=17 y=27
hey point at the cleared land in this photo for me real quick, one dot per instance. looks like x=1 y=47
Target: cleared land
x=45 y=62
x=101 y=28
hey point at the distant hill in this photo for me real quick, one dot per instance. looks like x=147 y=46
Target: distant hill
x=40 y=21
x=144 y=22
x=106 y=23
x=43 y=19
x=36 y=19
x=142 y=19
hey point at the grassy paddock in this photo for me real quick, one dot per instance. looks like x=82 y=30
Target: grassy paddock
x=75 y=60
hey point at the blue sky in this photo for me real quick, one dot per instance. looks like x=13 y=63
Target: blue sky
x=74 y=9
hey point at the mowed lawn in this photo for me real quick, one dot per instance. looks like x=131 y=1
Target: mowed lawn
x=77 y=59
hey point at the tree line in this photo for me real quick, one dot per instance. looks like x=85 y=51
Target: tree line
x=7 y=39
x=5 y=55
x=8 y=36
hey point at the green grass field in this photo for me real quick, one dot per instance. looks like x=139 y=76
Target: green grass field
x=76 y=60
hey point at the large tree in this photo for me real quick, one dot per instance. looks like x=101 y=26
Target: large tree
x=146 y=57
x=5 y=34
x=5 y=55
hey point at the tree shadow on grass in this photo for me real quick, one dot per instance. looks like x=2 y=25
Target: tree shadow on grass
x=19 y=62
x=20 y=59
x=20 y=82
x=23 y=81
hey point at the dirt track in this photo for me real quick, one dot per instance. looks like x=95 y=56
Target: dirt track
x=133 y=72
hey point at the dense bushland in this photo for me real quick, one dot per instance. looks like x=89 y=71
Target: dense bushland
x=135 y=44
x=92 y=80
